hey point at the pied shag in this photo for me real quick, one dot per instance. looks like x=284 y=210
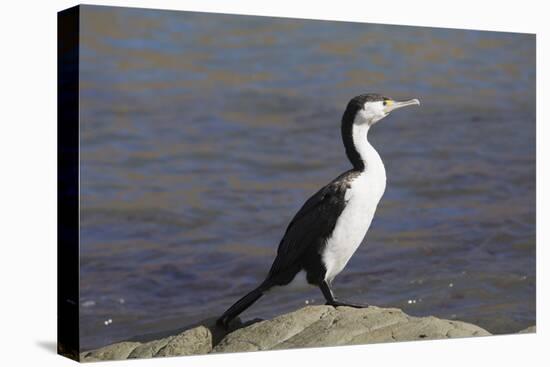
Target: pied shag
x=330 y=226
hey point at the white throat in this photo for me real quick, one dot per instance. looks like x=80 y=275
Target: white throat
x=366 y=151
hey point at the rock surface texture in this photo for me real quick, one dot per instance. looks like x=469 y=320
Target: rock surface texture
x=312 y=326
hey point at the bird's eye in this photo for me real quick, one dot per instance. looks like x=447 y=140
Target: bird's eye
x=385 y=103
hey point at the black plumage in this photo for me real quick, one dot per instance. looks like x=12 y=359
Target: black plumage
x=302 y=245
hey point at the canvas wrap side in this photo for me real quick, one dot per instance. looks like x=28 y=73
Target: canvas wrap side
x=67 y=183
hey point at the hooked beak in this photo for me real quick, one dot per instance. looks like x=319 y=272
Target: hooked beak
x=394 y=105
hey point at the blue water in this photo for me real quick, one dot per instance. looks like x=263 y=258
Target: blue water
x=202 y=135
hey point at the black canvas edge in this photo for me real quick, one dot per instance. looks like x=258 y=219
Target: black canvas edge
x=68 y=339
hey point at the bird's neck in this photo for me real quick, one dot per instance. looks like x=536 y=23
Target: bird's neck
x=360 y=152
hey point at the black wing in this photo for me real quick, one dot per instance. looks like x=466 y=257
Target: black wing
x=311 y=226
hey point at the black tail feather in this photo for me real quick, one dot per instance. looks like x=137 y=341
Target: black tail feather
x=241 y=305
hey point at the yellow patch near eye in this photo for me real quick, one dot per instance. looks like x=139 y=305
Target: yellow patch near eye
x=388 y=102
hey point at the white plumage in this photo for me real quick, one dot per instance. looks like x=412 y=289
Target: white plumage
x=362 y=198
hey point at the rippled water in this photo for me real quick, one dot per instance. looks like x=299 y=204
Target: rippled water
x=202 y=135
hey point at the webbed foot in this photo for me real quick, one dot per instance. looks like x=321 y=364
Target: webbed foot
x=336 y=303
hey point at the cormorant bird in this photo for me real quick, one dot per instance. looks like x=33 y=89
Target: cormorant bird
x=326 y=231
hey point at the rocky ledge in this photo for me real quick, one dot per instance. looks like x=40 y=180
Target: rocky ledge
x=312 y=326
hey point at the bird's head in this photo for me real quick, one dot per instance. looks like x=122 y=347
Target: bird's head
x=371 y=108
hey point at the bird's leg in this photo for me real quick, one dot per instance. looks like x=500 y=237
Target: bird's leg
x=332 y=301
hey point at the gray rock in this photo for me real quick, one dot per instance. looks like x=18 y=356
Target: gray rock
x=318 y=326
x=530 y=329
x=312 y=326
x=190 y=342
x=194 y=341
x=111 y=352
x=267 y=334
x=150 y=349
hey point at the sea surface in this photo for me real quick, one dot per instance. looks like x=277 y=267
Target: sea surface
x=202 y=135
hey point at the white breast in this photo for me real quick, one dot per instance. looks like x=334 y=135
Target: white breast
x=352 y=225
